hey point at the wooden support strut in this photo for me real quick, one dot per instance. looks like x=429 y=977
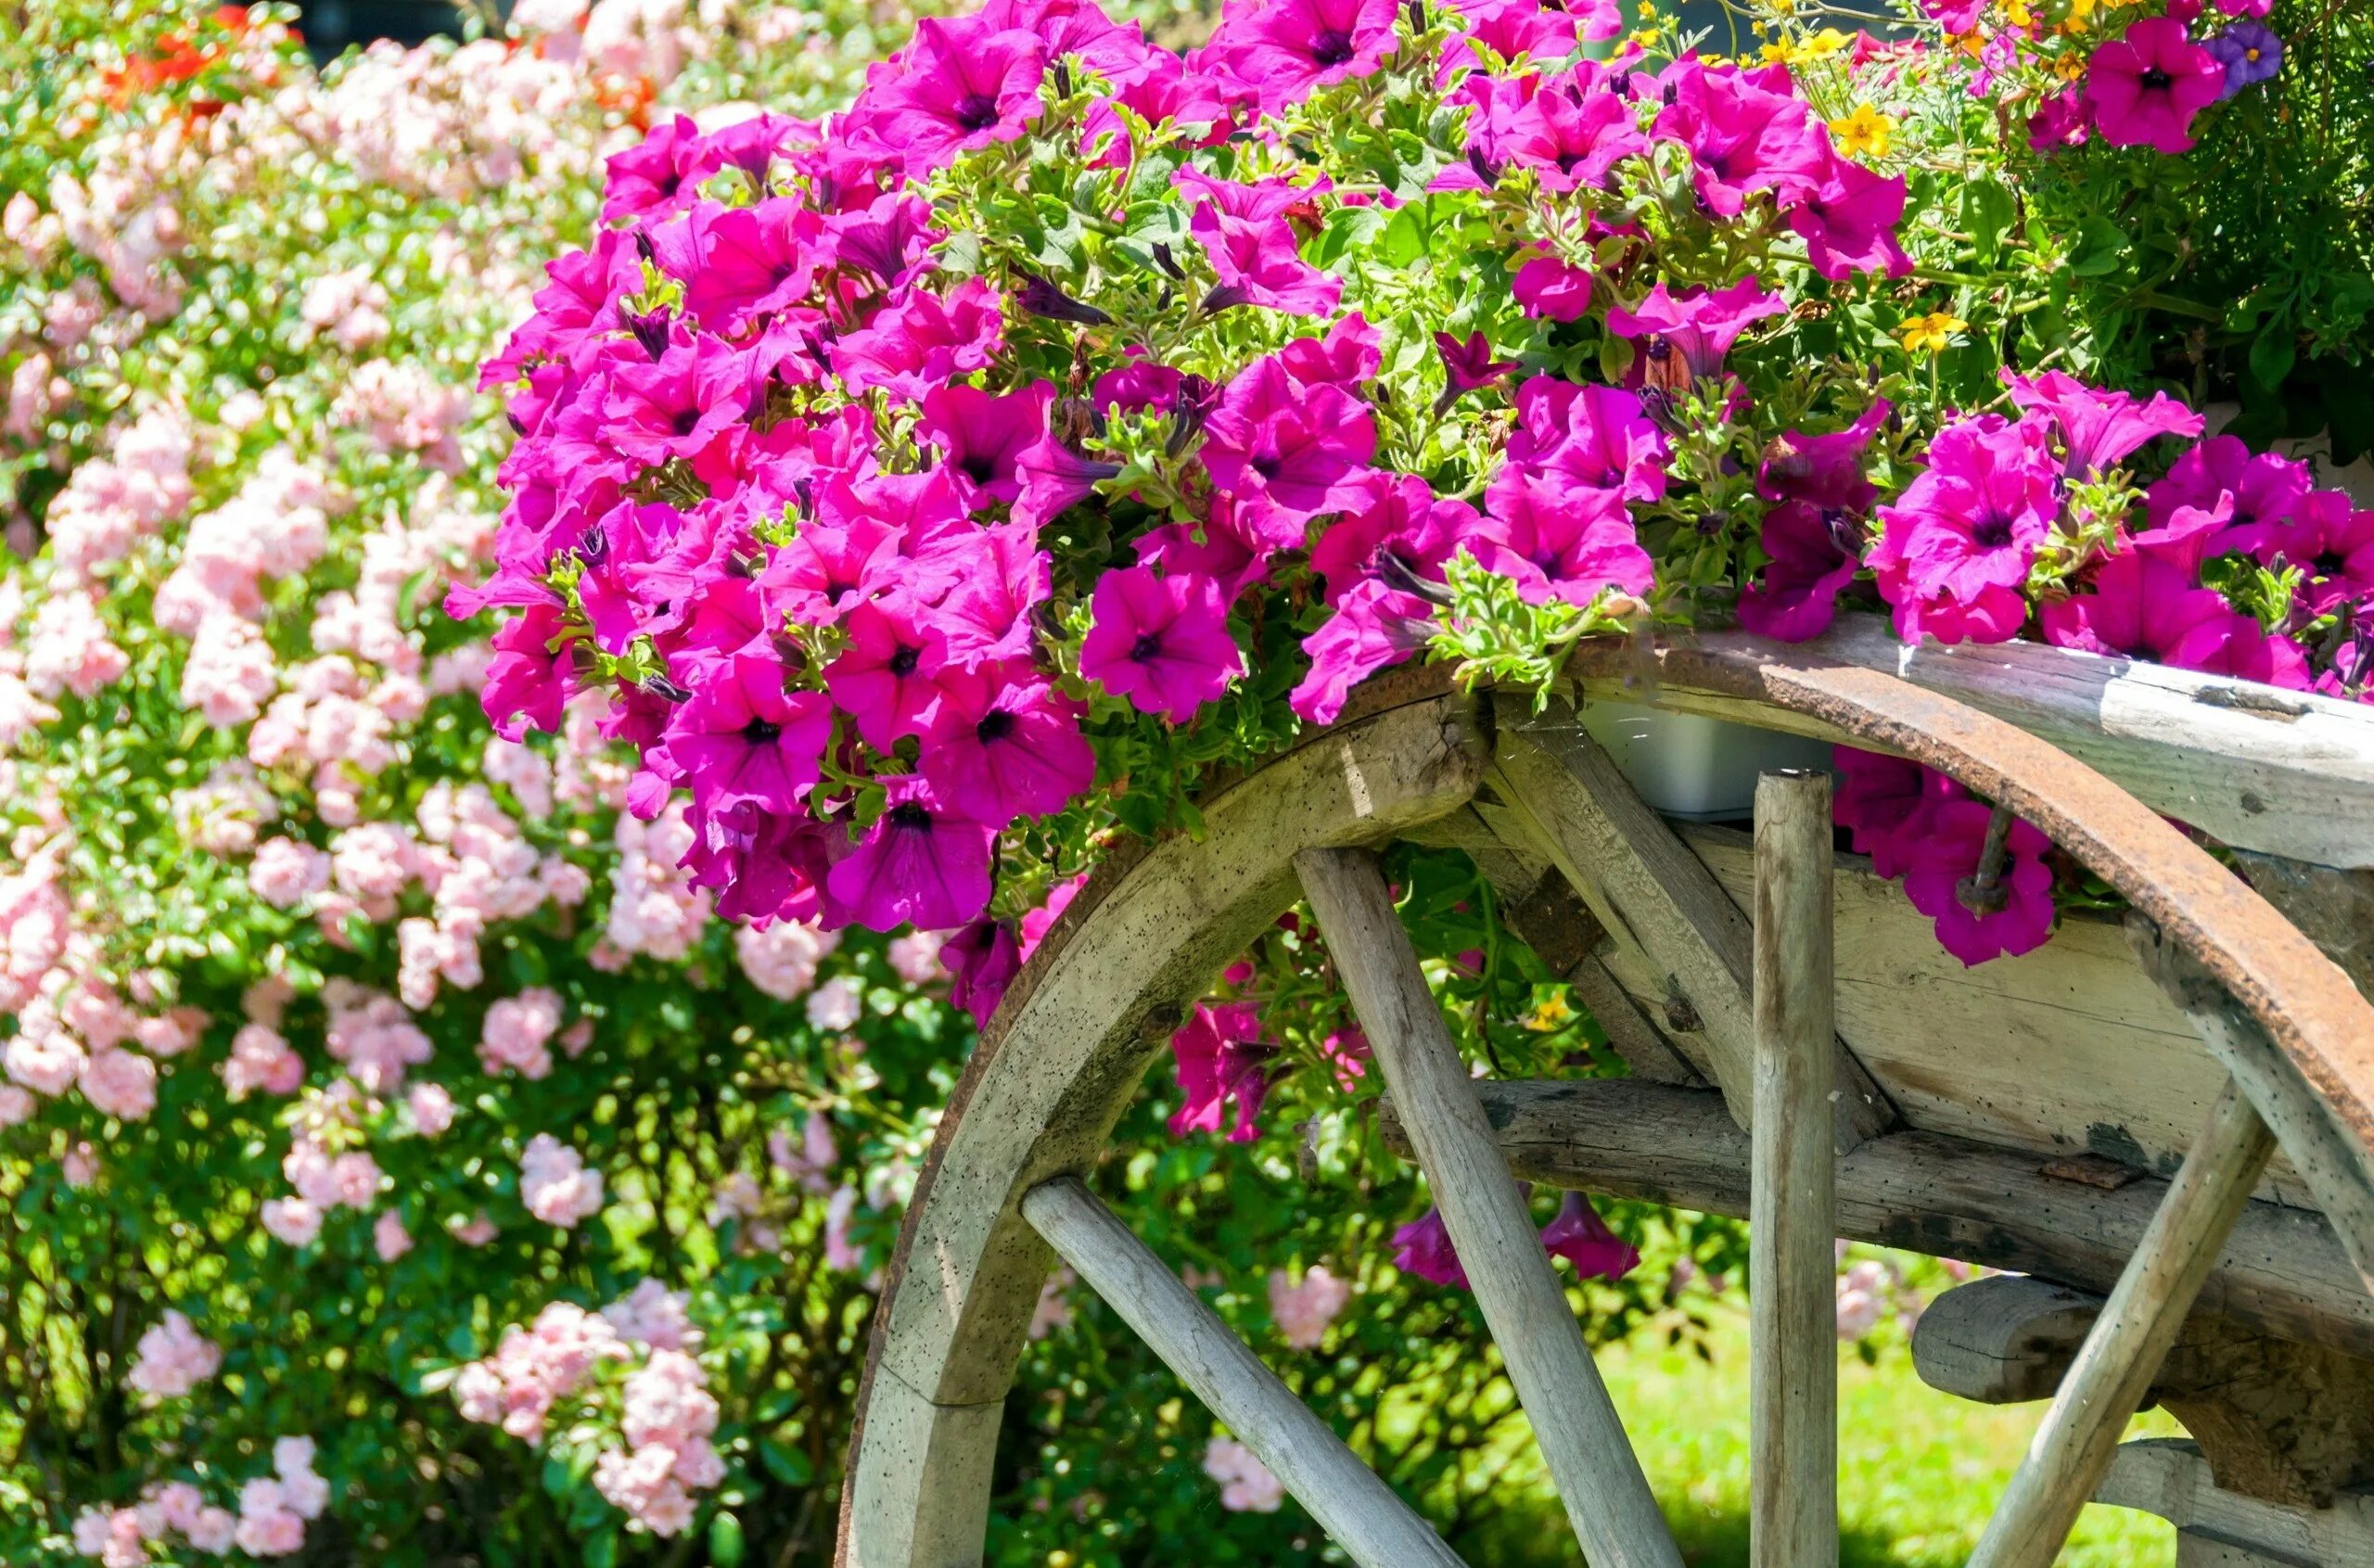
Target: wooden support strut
x=2074 y=1447
x=1347 y=1497
x=1792 y=1358
x=1581 y=1437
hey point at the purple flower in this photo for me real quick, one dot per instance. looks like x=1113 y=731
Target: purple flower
x=1244 y=232
x=741 y=262
x=2097 y=430
x=1467 y=366
x=651 y=178
x=981 y=961
x=1161 y=641
x=2144 y=605
x=923 y=863
x=1587 y=435
x=1348 y=358
x=923 y=340
x=1375 y=626
x=1877 y=797
x=1005 y=745
x=833 y=562
x=743 y=737
x=1055 y=477
x=1296 y=448
x=1583 y=1239
x=1809 y=563
x=2065 y=120
x=993 y=577
x=1423 y=1247
x=1079 y=29
x=1282 y=51
x=958 y=86
x=1553 y=289
x=1559 y=543
x=1970 y=523
x=2330 y=541
x=1743 y=137
x=1946 y=848
x=763 y=865
x=673 y=407
x=1404 y=518
x=1575 y=132
x=2251 y=53
x=1701 y=326
x=887 y=677
x=2265 y=490
x=528 y=681
x=1231 y=553
x=1849 y=222
x=1220 y=1057
x=982 y=434
x=2145 y=86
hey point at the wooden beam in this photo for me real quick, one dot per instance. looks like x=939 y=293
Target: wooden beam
x=1347 y=1497
x=1648 y=889
x=2169 y=1477
x=2004 y=1340
x=2281 y=1271
x=2146 y=1311
x=2282 y=773
x=1792 y=1214
x=1580 y=1436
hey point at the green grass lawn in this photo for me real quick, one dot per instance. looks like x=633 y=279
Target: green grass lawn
x=1919 y=1470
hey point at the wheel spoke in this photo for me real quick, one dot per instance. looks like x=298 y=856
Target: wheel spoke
x=1793 y=1360
x=1347 y=1497
x=2074 y=1447
x=1581 y=1437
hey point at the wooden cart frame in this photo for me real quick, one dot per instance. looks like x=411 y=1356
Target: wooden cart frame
x=2168 y=1128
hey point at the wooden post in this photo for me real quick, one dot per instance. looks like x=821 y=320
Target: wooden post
x=1347 y=1497
x=1792 y=1358
x=1582 y=1439
x=2074 y=1448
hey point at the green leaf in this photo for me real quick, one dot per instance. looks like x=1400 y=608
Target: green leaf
x=2102 y=246
x=725 y=1540
x=785 y=1464
x=1989 y=210
x=602 y=1549
x=2272 y=355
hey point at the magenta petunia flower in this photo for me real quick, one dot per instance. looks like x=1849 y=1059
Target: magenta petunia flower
x=1424 y=1247
x=2097 y=429
x=743 y=736
x=738 y=263
x=1006 y=744
x=653 y=178
x=1946 y=849
x=1575 y=132
x=2264 y=490
x=1467 y=366
x=1744 y=136
x=1826 y=470
x=1403 y=518
x=1220 y=1057
x=530 y=680
x=923 y=863
x=1849 y=222
x=982 y=434
x=957 y=87
x=923 y=340
x=1293 y=448
x=1077 y=30
x=2331 y=541
x=1258 y=262
x=891 y=238
x=2065 y=120
x=1282 y=51
x=2145 y=86
x=1701 y=326
x=1583 y=1239
x=1231 y=551
x=2145 y=606
x=1878 y=798
x=1055 y=476
x=1510 y=27
x=829 y=565
x=764 y=866
x=1348 y=357
x=887 y=677
x=676 y=406
x=1553 y=289
x=981 y=961
x=1973 y=519
x=1588 y=434
x=990 y=578
x=1375 y=626
x=1559 y=542
x=1161 y=641
x=1810 y=558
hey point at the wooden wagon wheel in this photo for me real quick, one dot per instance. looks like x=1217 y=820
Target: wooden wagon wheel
x=1001 y=1196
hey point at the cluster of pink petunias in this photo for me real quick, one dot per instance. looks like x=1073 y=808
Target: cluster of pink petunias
x=778 y=475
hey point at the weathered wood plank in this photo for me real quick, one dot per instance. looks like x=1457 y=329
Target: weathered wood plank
x=1575 y=1423
x=1348 y=1498
x=2070 y=1048
x=1657 y=897
x=2282 y=773
x=2146 y=1311
x=1792 y=1203
x=2281 y=1271
x=2169 y=1477
x=1059 y=1063
x=2004 y=1340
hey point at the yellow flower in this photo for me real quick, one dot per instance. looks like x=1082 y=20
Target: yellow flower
x=2016 y=13
x=1646 y=38
x=1932 y=334
x=1864 y=133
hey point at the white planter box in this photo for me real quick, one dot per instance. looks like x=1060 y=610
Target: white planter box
x=1688 y=766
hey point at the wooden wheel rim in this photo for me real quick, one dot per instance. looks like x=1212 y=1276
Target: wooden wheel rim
x=965 y=1276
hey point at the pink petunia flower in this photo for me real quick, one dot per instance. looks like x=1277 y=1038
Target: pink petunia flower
x=1282 y=51
x=923 y=862
x=743 y=736
x=1701 y=325
x=1221 y=1057
x=1555 y=541
x=2146 y=86
x=958 y=87
x=1296 y=449
x=1007 y=746
x=1161 y=641
x=1583 y=1239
